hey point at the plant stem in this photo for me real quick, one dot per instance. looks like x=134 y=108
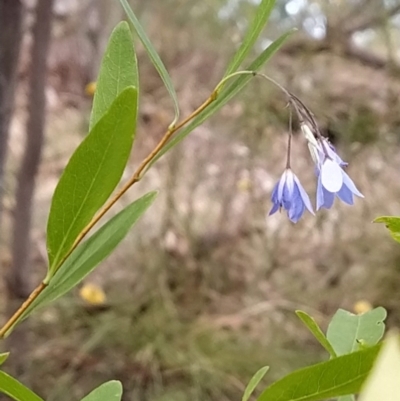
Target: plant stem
x=14 y=318
x=135 y=178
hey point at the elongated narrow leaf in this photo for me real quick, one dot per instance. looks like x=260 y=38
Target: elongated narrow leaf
x=118 y=70
x=110 y=391
x=91 y=252
x=255 y=380
x=347 y=332
x=334 y=378
x=261 y=17
x=316 y=331
x=152 y=53
x=16 y=390
x=384 y=382
x=92 y=173
x=226 y=94
x=3 y=357
x=392 y=224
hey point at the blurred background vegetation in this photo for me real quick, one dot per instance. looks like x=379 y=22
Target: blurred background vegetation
x=203 y=292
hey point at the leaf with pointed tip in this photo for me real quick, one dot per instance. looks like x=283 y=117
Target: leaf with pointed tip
x=92 y=173
x=154 y=57
x=118 y=70
x=347 y=331
x=253 y=383
x=337 y=377
x=110 y=391
x=90 y=253
x=316 y=331
x=3 y=357
x=16 y=390
x=257 y=25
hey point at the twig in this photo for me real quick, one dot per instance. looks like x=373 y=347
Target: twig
x=136 y=177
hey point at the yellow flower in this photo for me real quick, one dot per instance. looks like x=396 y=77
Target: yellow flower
x=90 y=88
x=93 y=294
x=362 y=306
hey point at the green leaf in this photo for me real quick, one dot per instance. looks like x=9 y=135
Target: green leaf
x=392 y=223
x=3 y=357
x=110 y=391
x=334 y=378
x=91 y=252
x=225 y=95
x=91 y=175
x=255 y=380
x=118 y=70
x=261 y=17
x=16 y=390
x=154 y=57
x=383 y=383
x=346 y=331
x=347 y=398
x=316 y=331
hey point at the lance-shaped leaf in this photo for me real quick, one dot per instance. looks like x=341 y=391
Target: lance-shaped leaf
x=253 y=383
x=348 y=332
x=152 y=53
x=16 y=390
x=110 y=391
x=91 y=175
x=90 y=253
x=257 y=25
x=316 y=331
x=3 y=357
x=334 y=378
x=118 y=70
x=225 y=95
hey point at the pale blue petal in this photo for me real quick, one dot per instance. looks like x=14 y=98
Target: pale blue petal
x=305 y=198
x=274 y=209
x=333 y=155
x=331 y=176
x=297 y=208
x=329 y=197
x=287 y=197
x=281 y=186
x=324 y=198
x=345 y=195
x=274 y=196
x=320 y=194
x=350 y=184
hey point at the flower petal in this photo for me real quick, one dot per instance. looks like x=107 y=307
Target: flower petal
x=345 y=195
x=274 y=209
x=324 y=198
x=303 y=194
x=297 y=206
x=329 y=198
x=281 y=186
x=274 y=196
x=320 y=193
x=308 y=134
x=331 y=176
x=350 y=184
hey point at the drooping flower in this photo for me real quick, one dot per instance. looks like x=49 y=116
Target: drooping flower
x=289 y=194
x=332 y=179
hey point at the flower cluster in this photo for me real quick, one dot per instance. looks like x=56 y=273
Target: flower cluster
x=332 y=180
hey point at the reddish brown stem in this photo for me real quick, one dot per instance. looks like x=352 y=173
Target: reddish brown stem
x=14 y=318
